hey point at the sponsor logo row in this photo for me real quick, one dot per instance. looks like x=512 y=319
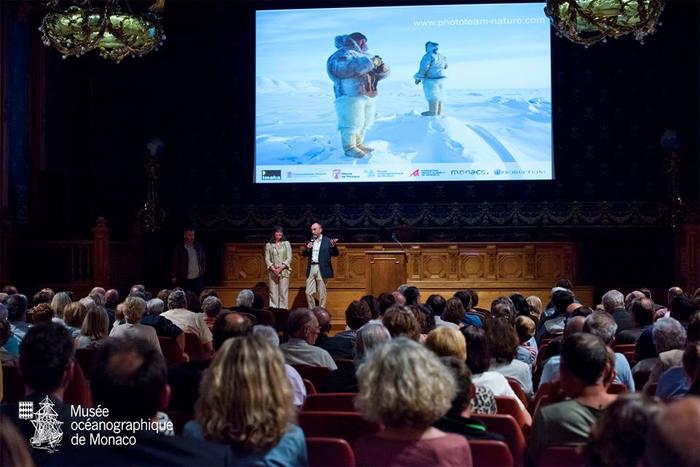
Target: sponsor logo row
x=344 y=174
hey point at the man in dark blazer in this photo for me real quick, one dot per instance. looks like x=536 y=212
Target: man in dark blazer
x=189 y=263
x=319 y=268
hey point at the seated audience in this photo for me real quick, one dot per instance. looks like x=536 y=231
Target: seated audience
x=17 y=314
x=73 y=316
x=246 y=303
x=552 y=325
x=675 y=382
x=412 y=295
x=447 y=342
x=503 y=344
x=470 y=317
x=617 y=438
x=9 y=344
x=211 y=306
x=303 y=329
x=111 y=302
x=604 y=326
x=535 y=307
x=669 y=340
x=130 y=382
x=584 y=360
x=452 y=315
x=344 y=379
x=525 y=329
x=342 y=345
x=324 y=325
x=436 y=303
x=400 y=321
x=479 y=361
x=405 y=388
x=268 y=333
x=58 y=304
x=550 y=369
x=246 y=404
x=384 y=301
x=642 y=311
x=373 y=305
x=458 y=419
x=42 y=313
x=163 y=326
x=673 y=436
x=134 y=308
x=46 y=363
x=94 y=329
x=691 y=366
x=188 y=321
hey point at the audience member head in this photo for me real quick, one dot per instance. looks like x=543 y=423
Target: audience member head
x=266 y=333
x=369 y=337
x=45 y=358
x=74 y=314
x=503 y=340
x=642 y=311
x=673 y=292
x=164 y=294
x=258 y=301
x=43 y=296
x=584 y=360
x=211 y=306
x=425 y=317
x=130 y=378
x=502 y=307
x=373 y=305
x=245 y=397
x=464 y=297
x=525 y=328
x=584 y=311
x=535 y=305
x=522 y=308
x=404 y=385
x=573 y=308
x=631 y=297
x=454 y=311
x=59 y=302
x=399 y=299
x=412 y=295
x=668 y=334
x=478 y=351
x=112 y=298
x=565 y=284
x=602 y=325
x=573 y=325
x=9 y=289
x=475 y=297
x=386 y=301
x=207 y=293
x=177 y=299
x=42 y=313
x=97 y=297
x=465 y=391
x=681 y=308
x=95 y=325
x=16 y=307
x=693 y=331
x=402 y=288
x=302 y=324
x=135 y=309
x=192 y=301
x=155 y=306
x=617 y=437
x=400 y=321
x=561 y=299
x=436 y=304
x=323 y=318
x=691 y=365
x=446 y=341
x=138 y=289
x=357 y=314
x=5 y=331
x=3 y=298
x=673 y=436
x=229 y=324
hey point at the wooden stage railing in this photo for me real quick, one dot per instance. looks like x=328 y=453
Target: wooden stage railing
x=492 y=269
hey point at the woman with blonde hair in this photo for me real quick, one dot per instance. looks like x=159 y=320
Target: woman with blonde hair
x=95 y=328
x=535 y=307
x=246 y=402
x=59 y=303
x=73 y=316
x=405 y=388
x=447 y=342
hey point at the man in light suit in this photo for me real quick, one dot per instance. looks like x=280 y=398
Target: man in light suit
x=319 y=268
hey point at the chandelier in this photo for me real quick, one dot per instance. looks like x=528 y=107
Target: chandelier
x=589 y=21
x=80 y=27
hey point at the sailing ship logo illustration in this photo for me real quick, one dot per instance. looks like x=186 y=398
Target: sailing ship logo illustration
x=47 y=428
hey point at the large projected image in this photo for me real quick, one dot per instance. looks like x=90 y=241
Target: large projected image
x=408 y=93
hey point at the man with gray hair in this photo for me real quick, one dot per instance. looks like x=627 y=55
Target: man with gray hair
x=303 y=329
x=614 y=304
x=670 y=338
x=601 y=324
x=211 y=307
x=245 y=303
x=245 y=298
x=269 y=334
x=189 y=322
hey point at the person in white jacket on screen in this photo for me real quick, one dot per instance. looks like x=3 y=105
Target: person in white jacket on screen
x=433 y=76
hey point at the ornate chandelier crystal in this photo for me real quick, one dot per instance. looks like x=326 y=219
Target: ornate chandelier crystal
x=589 y=21
x=79 y=27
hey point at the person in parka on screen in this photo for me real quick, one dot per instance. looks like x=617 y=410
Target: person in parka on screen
x=432 y=74
x=355 y=75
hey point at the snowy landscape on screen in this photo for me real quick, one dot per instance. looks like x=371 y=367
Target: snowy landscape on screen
x=296 y=124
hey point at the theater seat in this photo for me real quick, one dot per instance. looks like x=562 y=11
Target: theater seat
x=315 y=374
x=488 y=453
x=194 y=348
x=310 y=388
x=518 y=390
x=329 y=452
x=568 y=455
x=346 y=425
x=509 y=406
x=330 y=401
x=617 y=388
x=507 y=426
x=171 y=350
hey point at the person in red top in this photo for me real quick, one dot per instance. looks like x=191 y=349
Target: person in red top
x=405 y=388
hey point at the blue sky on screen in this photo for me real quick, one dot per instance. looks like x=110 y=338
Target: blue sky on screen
x=514 y=53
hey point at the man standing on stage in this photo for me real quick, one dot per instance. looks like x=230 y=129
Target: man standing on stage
x=319 y=269
x=189 y=263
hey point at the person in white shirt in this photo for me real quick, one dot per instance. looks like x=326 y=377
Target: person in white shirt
x=319 y=268
x=299 y=349
x=134 y=308
x=187 y=320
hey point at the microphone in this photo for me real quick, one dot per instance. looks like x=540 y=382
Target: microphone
x=393 y=236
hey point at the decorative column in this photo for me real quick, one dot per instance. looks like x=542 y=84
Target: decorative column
x=101 y=256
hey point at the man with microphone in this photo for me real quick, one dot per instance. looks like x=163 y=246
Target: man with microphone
x=319 y=269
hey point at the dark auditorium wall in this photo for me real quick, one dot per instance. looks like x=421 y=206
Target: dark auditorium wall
x=611 y=103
